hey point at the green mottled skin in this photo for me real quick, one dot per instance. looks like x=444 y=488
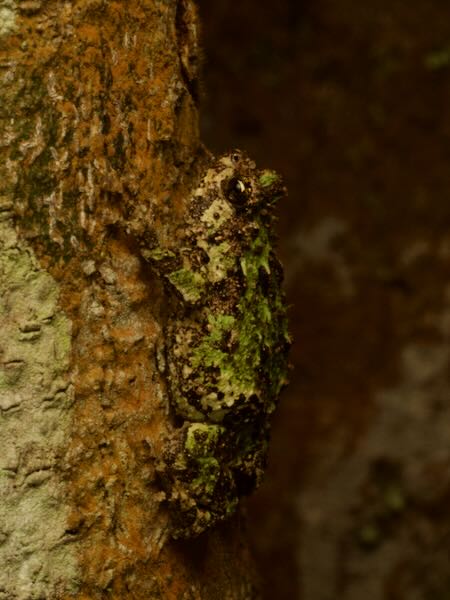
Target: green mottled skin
x=226 y=349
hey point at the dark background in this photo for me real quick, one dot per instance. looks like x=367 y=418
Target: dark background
x=350 y=102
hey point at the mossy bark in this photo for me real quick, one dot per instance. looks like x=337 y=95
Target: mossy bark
x=98 y=137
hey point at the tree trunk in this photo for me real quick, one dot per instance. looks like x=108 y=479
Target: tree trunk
x=99 y=138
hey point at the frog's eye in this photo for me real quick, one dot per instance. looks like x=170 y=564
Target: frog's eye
x=236 y=191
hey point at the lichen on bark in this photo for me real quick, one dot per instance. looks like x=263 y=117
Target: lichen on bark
x=36 y=396
x=98 y=141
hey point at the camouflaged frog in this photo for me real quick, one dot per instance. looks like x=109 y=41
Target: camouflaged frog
x=226 y=347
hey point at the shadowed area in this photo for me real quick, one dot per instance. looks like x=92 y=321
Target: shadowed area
x=350 y=103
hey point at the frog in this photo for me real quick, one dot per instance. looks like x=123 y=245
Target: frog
x=226 y=344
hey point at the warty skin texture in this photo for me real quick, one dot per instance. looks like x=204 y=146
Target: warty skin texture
x=225 y=354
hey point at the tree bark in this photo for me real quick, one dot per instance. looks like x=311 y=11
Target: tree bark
x=99 y=135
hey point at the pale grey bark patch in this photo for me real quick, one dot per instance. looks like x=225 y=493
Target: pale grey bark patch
x=7 y=17
x=37 y=555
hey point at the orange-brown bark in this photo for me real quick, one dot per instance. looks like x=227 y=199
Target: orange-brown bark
x=105 y=139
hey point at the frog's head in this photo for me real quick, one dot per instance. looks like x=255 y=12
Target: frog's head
x=245 y=187
x=233 y=190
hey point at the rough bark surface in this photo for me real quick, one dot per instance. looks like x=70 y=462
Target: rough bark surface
x=99 y=136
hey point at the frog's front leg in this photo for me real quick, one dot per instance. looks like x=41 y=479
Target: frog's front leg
x=163 y=260
x=177 y=267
